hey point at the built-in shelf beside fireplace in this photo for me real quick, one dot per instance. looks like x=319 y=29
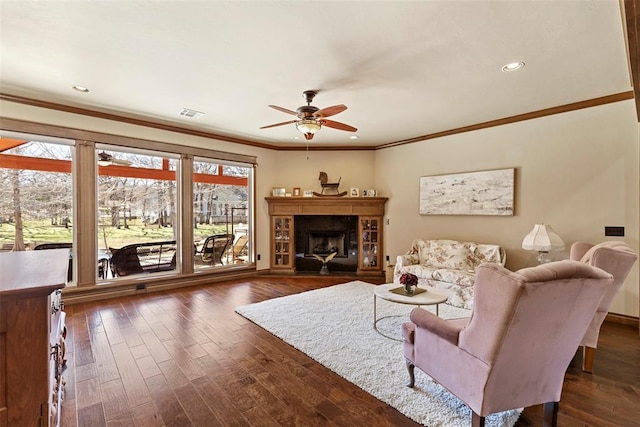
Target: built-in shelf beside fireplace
x=302 y=227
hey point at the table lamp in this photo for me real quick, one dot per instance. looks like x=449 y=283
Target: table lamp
x=542 y=239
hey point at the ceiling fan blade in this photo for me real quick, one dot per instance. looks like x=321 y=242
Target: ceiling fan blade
x=278 y=124
x=330 y=111
x=284 y=110
x=338 y=125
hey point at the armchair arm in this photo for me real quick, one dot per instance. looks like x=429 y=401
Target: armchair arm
x=444 y=329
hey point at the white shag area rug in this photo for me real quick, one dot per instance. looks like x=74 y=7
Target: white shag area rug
x=334 y=326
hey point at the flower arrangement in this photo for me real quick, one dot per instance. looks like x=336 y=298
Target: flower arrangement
x=409 y=281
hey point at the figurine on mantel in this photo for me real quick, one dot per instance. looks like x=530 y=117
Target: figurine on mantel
x=331 y=187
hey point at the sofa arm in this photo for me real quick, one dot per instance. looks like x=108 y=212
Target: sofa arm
x=446 y=330
x=404 y=260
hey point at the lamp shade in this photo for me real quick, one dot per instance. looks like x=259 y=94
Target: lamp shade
x=542 y=239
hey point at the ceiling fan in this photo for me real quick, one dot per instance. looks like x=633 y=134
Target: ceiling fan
x=106 y=159
x=310 y=119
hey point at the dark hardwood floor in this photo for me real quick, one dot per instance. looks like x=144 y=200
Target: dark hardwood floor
x=185 y=358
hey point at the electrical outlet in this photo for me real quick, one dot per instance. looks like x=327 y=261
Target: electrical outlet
x=258 y=257
x=387 y=221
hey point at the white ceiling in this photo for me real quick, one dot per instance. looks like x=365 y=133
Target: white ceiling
x=404 y=69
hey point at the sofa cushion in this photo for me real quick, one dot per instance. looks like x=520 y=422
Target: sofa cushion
x=421 y=271
x=459 y=277
x=449 y=254
x=487 y=253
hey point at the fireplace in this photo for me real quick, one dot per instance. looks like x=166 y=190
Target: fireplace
x=328 y=223
x=323 y=235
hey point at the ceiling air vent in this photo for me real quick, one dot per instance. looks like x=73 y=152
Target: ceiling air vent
x=192 y=114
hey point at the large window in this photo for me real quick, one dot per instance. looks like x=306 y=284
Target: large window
x=137 y=216
x=36 y=194
x=221 y=197
x=132 y=212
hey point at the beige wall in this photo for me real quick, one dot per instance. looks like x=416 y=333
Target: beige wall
x=577 y=171
x=299 y=169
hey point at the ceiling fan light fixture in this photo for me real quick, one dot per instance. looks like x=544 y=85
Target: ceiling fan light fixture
x=308 y=126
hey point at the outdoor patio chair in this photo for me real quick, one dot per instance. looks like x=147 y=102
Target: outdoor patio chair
x=215 y=247
x=240 y=247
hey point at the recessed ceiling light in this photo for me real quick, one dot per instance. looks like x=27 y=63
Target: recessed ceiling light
x=513 y=66
x=80 y=88
x=353 y=137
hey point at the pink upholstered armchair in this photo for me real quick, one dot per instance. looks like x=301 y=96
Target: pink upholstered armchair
x=615 y=258
x=515 y=348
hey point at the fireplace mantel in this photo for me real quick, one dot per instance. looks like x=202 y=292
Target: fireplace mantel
x=326 y=205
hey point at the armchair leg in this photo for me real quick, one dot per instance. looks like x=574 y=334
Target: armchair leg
x=476 y=420
x=412 y=377
x=588 y=354
x=550 y=414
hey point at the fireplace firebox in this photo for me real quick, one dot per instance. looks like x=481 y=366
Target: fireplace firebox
x=325 y=243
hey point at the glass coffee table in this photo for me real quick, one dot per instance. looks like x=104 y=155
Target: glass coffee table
x=430 y=297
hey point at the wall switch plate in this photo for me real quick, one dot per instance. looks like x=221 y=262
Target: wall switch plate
x=614 y=231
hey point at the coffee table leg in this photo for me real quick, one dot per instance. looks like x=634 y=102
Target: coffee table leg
x=375 y=298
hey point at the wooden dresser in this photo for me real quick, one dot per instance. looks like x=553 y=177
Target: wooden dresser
x=31 y=326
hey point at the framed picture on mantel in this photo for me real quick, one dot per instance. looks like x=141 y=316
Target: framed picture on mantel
x=278 y=191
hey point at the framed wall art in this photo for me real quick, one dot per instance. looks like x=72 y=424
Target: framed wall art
x=471 y=193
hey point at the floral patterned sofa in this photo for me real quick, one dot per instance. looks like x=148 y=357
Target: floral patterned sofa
x=448 y=265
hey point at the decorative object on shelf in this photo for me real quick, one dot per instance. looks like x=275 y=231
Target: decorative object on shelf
x=542 y=239
x=410 y=283
x=307 y=193
x=325 y=260
x=296 y=192
x=355 y=192
x=330 y=187
x=471 y=193
x=278 y=191
x=369 y=193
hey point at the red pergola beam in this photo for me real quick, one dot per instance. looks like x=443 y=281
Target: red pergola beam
x=7 y=143
x=10 y=161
